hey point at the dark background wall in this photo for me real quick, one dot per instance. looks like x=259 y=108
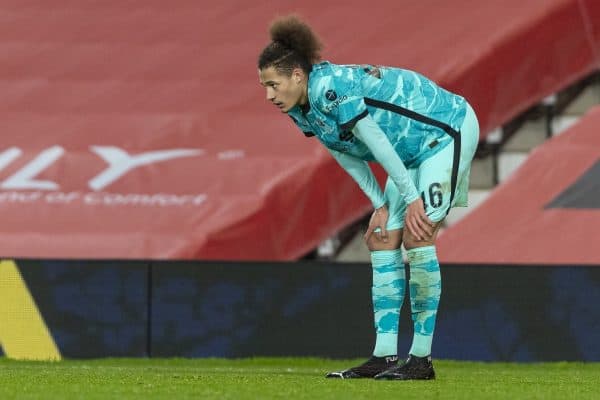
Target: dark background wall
x=212 y=309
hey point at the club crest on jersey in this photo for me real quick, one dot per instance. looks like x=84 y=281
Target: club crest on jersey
x=330 y=95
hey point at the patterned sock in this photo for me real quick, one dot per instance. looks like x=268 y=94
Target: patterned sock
x=388 y=293
x=425 y=290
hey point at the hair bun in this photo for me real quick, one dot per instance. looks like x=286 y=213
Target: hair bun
x=292 y=33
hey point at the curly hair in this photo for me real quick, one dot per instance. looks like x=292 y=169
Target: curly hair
x=293 y=44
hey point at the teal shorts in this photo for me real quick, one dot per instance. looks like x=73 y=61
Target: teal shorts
x=442 y=180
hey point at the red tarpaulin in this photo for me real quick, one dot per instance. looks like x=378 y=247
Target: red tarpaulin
x=139 y=129
x=547 y=212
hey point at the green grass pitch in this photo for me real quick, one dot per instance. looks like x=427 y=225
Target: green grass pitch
x=287 y=378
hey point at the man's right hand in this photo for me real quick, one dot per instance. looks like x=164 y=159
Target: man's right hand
x=379 y=220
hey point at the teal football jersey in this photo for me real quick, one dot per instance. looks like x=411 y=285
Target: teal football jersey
x=417 y=116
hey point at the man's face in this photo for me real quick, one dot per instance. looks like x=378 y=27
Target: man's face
x=283 y=91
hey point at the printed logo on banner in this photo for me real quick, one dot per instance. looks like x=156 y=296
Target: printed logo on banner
x=26 y=186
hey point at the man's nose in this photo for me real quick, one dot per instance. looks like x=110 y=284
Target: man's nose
x=270 y=94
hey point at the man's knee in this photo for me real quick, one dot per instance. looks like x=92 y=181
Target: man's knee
x=411 y=242
x=394 y=241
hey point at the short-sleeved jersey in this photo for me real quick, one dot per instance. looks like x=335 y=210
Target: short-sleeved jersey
x=418 y=116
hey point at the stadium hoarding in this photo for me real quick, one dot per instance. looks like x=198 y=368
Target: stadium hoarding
x=228 y=309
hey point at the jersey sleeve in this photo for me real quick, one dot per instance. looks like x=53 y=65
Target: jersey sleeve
x=341 y=97
x=360 y=171
x=373 y=137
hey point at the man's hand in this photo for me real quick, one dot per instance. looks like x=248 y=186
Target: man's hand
x=417 y=222
x=378 y=220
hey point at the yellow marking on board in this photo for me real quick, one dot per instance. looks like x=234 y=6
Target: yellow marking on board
x=23 y=333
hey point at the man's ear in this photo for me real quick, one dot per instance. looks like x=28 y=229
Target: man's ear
x=297 y=75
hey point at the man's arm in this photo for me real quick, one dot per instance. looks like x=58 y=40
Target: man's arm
x=367 y=131
x=360 y=171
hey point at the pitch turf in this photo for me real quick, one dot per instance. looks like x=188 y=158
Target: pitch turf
x=286 y=378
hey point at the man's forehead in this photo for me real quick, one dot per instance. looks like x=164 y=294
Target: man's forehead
x=268 y=76
x=268 y=73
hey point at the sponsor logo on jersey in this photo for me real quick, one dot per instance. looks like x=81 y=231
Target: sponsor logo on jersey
x=330 y=95
x=336 y=103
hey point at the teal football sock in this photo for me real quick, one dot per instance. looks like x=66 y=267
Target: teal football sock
x=388 y=293
x=425 y=290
